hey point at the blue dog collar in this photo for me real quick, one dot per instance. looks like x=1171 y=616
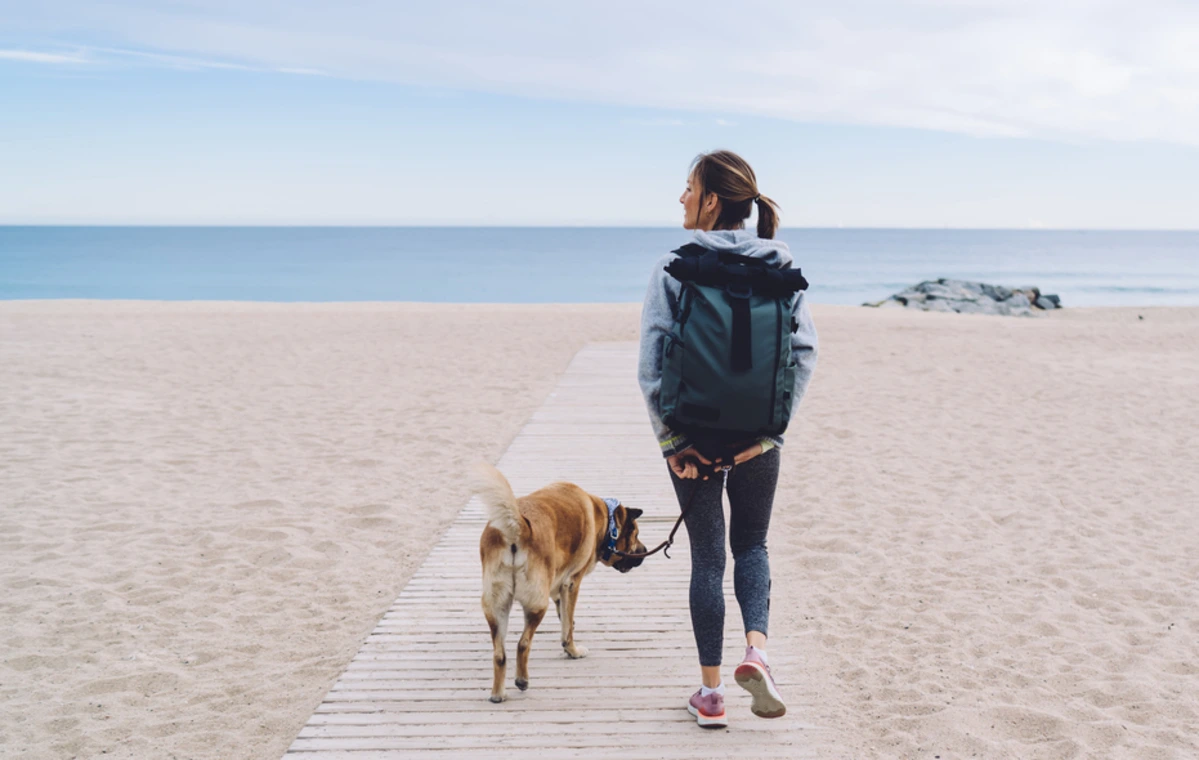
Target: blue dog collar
x=613 y=534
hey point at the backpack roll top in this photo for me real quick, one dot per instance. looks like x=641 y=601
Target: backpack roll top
x=727 y=363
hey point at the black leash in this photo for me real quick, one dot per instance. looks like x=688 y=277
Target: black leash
x=664 y=547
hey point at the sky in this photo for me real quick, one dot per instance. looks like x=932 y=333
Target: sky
x=857 y=113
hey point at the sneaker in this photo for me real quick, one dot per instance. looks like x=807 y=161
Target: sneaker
x=753 y=675
x=709 y=710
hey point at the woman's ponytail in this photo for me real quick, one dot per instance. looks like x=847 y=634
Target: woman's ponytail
x=768 y=217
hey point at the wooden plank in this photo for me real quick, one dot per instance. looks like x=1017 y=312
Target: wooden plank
x=666 y=726
x=468 y=710
x=488 y=719
x=552 y=741
x=623 y=747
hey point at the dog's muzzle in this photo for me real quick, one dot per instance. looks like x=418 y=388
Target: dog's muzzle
x=625 y=564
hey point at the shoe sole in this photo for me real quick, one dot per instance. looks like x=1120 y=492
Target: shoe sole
x=767 y=703
x=707 y=721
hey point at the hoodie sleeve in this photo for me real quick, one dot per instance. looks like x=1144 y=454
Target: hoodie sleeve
x=657 y=316
x=803 y=350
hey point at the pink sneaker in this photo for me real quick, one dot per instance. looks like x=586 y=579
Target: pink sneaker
x=709 y=710
x=753 y=675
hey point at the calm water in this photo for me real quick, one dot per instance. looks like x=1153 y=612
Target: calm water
x=530 y=265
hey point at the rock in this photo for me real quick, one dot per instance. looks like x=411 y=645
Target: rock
x=935 y=288
x=975 y=307
x=1018 y=301
x=972 y=287
x=965 y=297
x=997 y=292
x=949 y=291
x=909 y=298
x=986 y=306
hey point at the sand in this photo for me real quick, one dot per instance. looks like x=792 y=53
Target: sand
x=205 y=507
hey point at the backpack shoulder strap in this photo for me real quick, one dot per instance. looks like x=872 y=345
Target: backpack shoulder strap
x=691 y=249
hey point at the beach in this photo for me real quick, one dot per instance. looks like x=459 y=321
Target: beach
x=204 y=508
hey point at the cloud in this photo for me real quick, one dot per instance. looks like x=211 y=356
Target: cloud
x=99 y=55
x=1070 y=69
x=169 y=61
x=654 y=122
x=30 y=56
x=302 y=72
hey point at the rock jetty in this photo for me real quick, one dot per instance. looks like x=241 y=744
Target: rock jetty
x=972 y=298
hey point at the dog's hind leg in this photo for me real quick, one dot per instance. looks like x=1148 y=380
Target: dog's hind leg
x=566 y=612
x=496 y=611
x=532 y=620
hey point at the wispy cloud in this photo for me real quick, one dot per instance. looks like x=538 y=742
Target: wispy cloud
x=302 y=72
x=98 y=55
x=1108 y=69
x=190 y=63
x=30 y=56
x=168 y=60
x=654 y=122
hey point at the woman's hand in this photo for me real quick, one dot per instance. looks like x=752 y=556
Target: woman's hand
x=683 y=465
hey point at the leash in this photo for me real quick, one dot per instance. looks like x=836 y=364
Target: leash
x=664 y=547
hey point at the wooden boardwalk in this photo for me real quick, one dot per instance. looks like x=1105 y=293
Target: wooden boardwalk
x=418 y=688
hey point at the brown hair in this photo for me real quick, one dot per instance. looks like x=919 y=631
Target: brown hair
x=727 y=176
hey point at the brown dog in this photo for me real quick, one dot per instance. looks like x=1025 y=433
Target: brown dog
x=537 y=548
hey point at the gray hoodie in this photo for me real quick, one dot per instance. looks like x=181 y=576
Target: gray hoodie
x=661 y=305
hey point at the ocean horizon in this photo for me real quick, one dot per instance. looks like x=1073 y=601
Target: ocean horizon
x=480 y=264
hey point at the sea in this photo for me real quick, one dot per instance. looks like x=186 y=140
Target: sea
x=567 y=264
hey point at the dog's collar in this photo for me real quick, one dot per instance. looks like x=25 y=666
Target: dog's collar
x=613 y=533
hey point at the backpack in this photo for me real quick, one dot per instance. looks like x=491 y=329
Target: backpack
x=726 y=362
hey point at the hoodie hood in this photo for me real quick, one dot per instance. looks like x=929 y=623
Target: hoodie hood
x=746 y=243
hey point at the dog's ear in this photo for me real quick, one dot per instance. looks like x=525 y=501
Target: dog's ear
x=634 y=513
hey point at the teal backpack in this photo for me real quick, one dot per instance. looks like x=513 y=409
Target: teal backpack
x=726 y=363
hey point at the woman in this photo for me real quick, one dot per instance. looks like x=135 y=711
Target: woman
x=721 y=190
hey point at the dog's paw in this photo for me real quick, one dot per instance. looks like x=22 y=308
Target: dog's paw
x=576 y=652
x=522 y=684
x=497 y=698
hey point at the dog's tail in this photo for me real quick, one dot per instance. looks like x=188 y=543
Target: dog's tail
x=503 y=514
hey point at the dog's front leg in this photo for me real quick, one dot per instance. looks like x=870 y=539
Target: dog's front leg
x=566 y=612
x=532 y=620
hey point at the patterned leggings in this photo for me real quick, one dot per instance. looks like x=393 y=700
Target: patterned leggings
x=751 y=496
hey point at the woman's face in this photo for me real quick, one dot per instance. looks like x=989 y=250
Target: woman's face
x=690 y=200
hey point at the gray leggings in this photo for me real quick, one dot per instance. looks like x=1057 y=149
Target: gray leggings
x=751 y=497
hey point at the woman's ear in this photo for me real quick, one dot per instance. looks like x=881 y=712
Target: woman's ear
x=711 y=203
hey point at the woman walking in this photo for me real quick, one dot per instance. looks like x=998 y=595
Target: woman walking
x=720 y=193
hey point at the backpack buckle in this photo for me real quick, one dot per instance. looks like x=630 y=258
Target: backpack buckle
x=742 y=290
